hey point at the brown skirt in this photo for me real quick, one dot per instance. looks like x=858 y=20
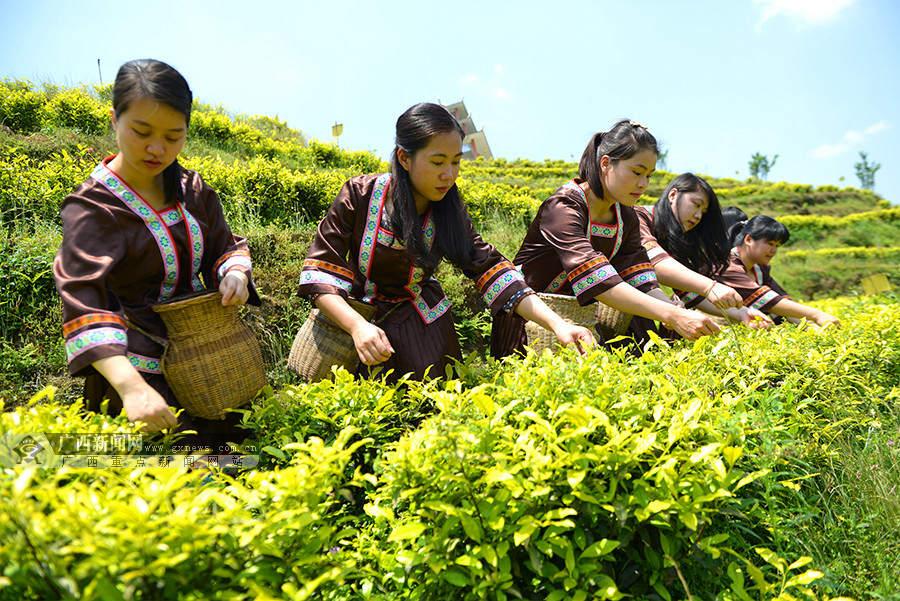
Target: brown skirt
x=214 y=435
x=419 y=348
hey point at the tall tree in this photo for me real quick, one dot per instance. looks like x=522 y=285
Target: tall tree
x=760 y=165
x=865 y=171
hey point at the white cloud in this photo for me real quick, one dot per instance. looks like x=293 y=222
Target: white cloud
x=876 y=127
x=468 y=79
x=499 y=69
x=501 y=93
x=851 y=139
x=827 y=151
x=811 y=12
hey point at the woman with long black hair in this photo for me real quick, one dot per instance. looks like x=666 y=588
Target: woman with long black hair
x=684 y=236
x=382 y=240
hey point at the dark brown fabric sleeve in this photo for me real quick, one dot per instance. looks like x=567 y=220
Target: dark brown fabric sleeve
x=759 y=297
x=655 y=252
x=326 y=269
x=224 y=250
x=93 y=327
x=632 y=261
x=564 y=225
x=495 y=276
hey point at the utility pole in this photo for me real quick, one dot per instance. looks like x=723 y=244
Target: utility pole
x=99 y=73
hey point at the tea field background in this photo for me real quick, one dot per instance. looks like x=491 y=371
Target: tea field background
x=750 y=465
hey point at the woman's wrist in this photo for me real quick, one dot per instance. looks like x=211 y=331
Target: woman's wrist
x=239 y=273
x=670 y=314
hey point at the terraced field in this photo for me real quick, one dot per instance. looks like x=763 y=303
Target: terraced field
x=752 y=465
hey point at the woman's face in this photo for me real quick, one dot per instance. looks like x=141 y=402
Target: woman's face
x=149 y=135
x=760 y=251
x=624 y=181
x=433 y=169
x=688 y=207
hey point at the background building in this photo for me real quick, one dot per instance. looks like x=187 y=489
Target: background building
x=475 y=143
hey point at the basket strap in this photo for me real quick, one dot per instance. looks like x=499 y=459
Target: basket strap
x=386 y=313
x=163 y=342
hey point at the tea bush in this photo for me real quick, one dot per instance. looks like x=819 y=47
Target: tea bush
x=833 y=271
x=165 y=533
x=20 y=109
x=30 y=313
x=870 y=228
x=689 y=468
x=76 y=109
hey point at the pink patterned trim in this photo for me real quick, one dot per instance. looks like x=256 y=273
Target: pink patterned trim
x=159 y=229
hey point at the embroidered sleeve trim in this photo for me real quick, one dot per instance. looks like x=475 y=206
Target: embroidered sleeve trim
x=320 y=277
x=88 y=339
x=557 y=283
x=635 y=268
x=238 y=261
x=597 y=276
x=143 y=363
x=642 y=278
x=335 y=269
x=500 y=284
x=599 y=260
x=514 y=300
x=90 y=319
x=761 y=297
x=688 y=297
x=487 y=275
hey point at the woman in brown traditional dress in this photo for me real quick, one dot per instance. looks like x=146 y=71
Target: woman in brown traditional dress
x=139 y=231
x=755 y=242
x=684 y=236
x=585 y=240
x=382 y=240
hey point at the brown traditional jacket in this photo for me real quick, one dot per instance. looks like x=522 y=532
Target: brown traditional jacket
x=119 y=257
x=355 y=254
x=564 y=252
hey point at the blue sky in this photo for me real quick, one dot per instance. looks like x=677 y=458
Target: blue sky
x=814 y=81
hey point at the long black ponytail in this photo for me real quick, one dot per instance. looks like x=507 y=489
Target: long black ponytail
x=623 y=141
x=149 y=78
x=415 y=128
x=761 y=227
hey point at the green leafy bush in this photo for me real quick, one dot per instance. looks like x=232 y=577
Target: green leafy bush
x=75 y=108
x=690 y=468
x=870 y=228
x=20 y=109
x=173 y=534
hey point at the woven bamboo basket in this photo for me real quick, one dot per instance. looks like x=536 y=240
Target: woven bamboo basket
x=212 y=360
x=321 y=343
x=602 y=320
